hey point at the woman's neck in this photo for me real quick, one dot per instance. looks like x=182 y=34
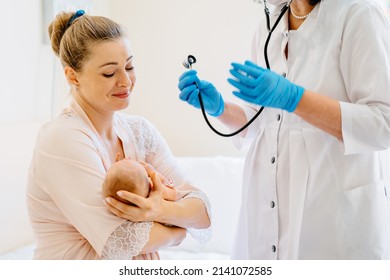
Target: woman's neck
x=102 y=121
x=298 y=8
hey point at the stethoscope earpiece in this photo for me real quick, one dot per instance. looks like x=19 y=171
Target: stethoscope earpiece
x=189 y=61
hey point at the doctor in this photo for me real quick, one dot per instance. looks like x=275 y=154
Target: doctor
x=314 y=182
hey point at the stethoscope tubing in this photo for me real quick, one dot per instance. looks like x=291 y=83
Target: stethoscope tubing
x=270 y=31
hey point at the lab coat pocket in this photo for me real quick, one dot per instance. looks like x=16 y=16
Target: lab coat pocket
x=366 y=222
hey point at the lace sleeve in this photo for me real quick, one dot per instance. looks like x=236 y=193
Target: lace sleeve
x=201 y=235
x=127 y=241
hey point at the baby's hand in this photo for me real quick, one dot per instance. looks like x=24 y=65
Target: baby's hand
x=169 y=193
x=169 y=190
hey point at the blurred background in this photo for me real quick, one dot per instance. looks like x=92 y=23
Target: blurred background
x=162 y=33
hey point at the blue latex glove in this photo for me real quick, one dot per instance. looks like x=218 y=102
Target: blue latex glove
x=190 y=85
x=263 y=87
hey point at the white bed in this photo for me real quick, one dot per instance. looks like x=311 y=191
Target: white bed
x=219 y=177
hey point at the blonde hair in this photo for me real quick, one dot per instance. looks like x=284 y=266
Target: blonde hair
x=72 y=43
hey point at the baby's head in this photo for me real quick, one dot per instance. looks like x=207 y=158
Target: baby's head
x=128 y=175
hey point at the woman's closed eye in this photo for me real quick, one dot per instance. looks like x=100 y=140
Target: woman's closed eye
x=112 y=74
x=108 y=75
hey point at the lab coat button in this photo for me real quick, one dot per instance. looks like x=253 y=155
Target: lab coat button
x=284 y=75
x=273 y=248
x=278 y=117
x=272 y=204
x=273 y=160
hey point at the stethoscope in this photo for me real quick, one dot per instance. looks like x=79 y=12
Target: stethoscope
x=191 y=60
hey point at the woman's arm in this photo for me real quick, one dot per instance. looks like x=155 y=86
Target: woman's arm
x=318 y=110
x=187 y=213
x=131 y=239
x=321 y=111
x=163 y=236
x=233 y=117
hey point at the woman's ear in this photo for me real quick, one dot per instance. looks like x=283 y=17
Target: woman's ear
x=71 y=76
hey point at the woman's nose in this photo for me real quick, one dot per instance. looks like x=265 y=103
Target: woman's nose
x=124 y=80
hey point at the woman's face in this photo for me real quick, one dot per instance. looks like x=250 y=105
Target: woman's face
x=107 y=78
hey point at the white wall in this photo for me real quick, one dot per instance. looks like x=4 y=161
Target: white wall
x=20 y=44
x=30 y=72
x=163 y=33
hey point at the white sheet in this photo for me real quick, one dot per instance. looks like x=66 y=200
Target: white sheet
x=26 y=253
x=23 y=253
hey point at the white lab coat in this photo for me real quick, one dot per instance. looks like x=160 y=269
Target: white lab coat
x=307 y=195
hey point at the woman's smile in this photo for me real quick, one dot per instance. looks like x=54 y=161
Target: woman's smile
x=123 y=94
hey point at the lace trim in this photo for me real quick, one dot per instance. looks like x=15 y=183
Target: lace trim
x=144 y=137
x=201 y=235
x=127 y=241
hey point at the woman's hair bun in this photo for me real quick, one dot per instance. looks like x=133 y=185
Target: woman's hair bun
x=57 y=30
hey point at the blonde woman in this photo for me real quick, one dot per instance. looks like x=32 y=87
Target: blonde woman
x=74 y=151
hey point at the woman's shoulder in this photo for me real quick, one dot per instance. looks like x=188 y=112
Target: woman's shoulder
x=62 y=125
x=349 y=17
x=362 y=15
x=351 y=6
x=62 y=131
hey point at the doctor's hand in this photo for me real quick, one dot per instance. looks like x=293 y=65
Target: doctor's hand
x=263 y=87
x=139 y=208
x=190 y=86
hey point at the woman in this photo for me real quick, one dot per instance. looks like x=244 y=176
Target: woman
x=74 y=151
x=314 y=182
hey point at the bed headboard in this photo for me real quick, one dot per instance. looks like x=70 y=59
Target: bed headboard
x=16 y=146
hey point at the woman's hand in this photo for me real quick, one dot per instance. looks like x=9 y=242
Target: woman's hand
x=143 y=209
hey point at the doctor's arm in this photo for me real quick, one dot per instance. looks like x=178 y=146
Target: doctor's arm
x=234 y=117
x=321 y=111
x=264 y=87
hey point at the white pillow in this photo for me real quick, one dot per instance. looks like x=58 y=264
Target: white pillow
x=220 y=178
